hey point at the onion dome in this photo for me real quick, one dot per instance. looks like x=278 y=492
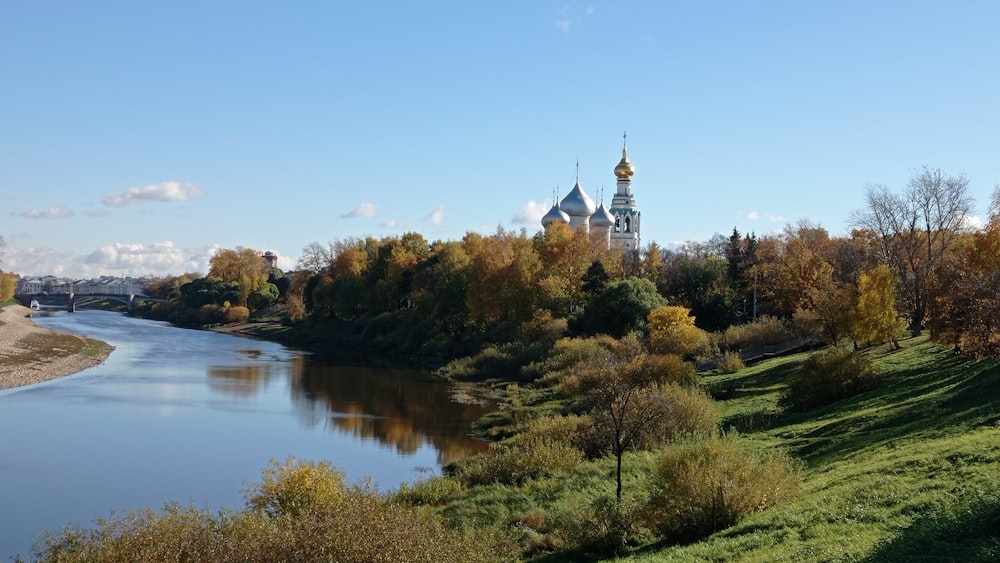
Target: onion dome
x=624 y=170
x=555 y=215
x=578 y=203
x=602 y=218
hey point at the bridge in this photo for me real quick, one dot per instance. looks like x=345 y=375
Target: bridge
x=70 y=301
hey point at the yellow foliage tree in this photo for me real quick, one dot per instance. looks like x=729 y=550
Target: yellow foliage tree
x=244 y=266
x=672 y=331
x=875 y=317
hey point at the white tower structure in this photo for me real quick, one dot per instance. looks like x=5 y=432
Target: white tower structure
x=625 y=233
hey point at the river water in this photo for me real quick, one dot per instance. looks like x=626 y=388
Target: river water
x=189 y=416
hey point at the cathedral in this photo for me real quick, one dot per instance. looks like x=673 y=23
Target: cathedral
x=619 y=225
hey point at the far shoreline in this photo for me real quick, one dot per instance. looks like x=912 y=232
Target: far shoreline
x=31 y=354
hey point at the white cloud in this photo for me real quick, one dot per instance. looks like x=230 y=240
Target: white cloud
x=97 y=213
x=363 y=210
x=754 y=216
x=164 y=191
x=435 y=216
x=531 y=213
x=158 y=258
x=396 y=224
x=50 y=213
x=973 y=223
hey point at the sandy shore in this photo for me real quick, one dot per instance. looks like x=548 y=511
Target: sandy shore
x=21 y=362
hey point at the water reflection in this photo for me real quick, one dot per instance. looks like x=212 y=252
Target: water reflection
x=411 y=408
x=400 y=408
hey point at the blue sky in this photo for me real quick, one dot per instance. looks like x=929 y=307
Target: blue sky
x=136 y=137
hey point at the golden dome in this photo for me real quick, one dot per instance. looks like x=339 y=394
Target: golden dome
x=624 y=169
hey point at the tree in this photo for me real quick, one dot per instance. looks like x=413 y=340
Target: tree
x=876 y=318
x=620 y=397
x=503 y=274
x=243 y=266
x=316 y=258
x=672 y=331
x=699 y=282
x=619 y=308
x=595 y=279
x=916 y=229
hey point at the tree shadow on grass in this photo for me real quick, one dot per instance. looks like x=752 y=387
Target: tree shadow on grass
x=924 y=401
x=968 y=533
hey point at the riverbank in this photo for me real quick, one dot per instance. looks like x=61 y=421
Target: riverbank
x=32 y=354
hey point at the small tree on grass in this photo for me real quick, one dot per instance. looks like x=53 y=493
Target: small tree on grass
x=626 y=399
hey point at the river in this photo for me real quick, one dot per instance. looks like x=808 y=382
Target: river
x=187 y=416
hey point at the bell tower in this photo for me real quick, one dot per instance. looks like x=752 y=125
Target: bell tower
x=625 y=232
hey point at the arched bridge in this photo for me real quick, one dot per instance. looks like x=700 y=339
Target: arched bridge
x=70 y=301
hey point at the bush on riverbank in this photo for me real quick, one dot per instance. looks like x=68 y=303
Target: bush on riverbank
x=301 y=511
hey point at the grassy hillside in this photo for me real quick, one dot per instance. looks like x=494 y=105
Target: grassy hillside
x=907 y=472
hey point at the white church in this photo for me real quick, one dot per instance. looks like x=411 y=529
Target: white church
x=619 y=225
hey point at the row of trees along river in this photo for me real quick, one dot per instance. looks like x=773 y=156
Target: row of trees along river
x=913 y=256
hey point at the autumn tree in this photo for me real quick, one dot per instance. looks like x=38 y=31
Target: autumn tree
x=875 y=317
x=566 y=255
x=915 y=230
x=625 y=398
x=243 y=266
x=440 y=288
x=503 y=274
x=795 y=272
x=672 y=331
x=965 y=291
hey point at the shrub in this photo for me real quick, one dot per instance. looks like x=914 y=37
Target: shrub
x=430 y=492
x=517 y=460
x=289 y=488
x=237 y=314
x=602 y=524
x=731 y=362
x=829 y=376
x=762 y=332
x=708 y=485
x=300 y=512
x=666 y=368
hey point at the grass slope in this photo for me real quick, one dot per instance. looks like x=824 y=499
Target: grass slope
x=907 y=472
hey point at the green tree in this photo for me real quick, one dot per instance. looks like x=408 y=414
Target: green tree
x=619 y=308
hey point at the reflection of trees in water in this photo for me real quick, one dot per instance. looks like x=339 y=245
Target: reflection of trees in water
x=238 y=381
x=400 y=407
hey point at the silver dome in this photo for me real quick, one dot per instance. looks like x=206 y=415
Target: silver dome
x=555 y=215
x=602 y=218
x=578 y=203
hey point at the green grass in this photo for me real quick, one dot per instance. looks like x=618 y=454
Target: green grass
x=907 y=472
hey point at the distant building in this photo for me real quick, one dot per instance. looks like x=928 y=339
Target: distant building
x=270 y=259
x=620 y=224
